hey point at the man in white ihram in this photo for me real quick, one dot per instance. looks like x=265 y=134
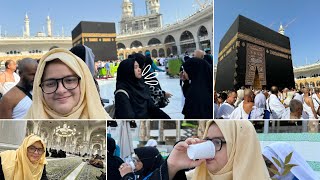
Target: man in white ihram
x=8 y=78
x=274 y=105
x=245 y=107
x=227 y=107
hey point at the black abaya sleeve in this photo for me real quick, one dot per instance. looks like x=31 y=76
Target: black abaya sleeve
x=155 y=112
x=123 y=107
x=1 y=171
x=162 y=173
x=44 y=174
x=129 y=176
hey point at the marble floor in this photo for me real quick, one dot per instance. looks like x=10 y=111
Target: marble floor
x=171 y=85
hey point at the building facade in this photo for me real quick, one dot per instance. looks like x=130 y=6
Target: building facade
x=19 y=47
x=138 y=34
x=307 y=76
x=193 y=32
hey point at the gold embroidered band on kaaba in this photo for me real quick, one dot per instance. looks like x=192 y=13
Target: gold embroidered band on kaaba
x=223 y=53
x=93 y=37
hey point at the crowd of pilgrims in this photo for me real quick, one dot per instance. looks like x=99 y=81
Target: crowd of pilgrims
x=268 y=104
x=62 y=84
x=233 y=159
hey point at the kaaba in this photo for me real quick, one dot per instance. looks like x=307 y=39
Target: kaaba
x=99 y=36
x=253 y=55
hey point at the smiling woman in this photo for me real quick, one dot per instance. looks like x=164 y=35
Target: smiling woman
x=27 y=162
x=61 y=89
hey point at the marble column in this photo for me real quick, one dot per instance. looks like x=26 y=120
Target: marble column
x=161 y=131
x=142 y=134
x=178 y=47
x=12 y=133
x=178 y=130
x=85 y=148
x=147 y=130
x=197 y=42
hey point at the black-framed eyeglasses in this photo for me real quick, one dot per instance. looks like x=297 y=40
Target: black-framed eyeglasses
x=51 y=85
x=32 y=149
x=217 y=143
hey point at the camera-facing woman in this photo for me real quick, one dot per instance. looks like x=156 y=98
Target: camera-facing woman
x=27 y=162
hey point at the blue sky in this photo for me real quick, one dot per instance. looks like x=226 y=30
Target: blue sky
x=68 y=13
x=304 y=32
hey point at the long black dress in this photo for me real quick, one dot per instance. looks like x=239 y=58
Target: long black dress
x=139 y=104
x=199 y=95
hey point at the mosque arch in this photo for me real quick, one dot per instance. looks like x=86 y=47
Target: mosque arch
x=136 y=44
x=169 y=39
x=121 y=56
x=121 y=46
x=154 y=53
x=154 y=41
x=168 y=51
x=98 y=128
x=140 y=52
x=312 y=84
x=161 y=52
x=202 y=31
x=97 y=146
x=301 y=85
x=306 y=84
x=186 y=35
x=318 y=83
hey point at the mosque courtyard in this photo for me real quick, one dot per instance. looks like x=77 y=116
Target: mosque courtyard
x=171 y=85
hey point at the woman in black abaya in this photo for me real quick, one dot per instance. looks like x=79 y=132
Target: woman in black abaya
x=132 y=96
x=199 y=95
x=147 y=160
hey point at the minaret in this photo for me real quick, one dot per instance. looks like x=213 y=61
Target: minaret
x=49 y=26
x=127 y=10
x=281 y=29
x=27 y=26
x=154 y=6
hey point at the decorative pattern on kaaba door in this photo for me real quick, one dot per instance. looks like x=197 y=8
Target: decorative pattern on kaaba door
x=255 y=59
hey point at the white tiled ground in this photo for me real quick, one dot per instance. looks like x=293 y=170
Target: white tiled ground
x=171 y=85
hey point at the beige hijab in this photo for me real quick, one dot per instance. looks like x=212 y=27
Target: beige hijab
x=16 y=164
x=89 y=106
x=245 y=160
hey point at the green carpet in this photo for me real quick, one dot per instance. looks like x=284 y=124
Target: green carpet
x=60 y=169
x=89 y=172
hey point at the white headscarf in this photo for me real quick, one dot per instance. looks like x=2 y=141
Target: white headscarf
x=152 y=143
x=280 y=150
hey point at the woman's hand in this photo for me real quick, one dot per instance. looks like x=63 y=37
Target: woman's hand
x=125 y=169
x=167 y=95
x=179 y=159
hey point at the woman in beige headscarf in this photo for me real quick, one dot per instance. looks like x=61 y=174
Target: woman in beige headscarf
x=27 y=162
x=238 y=155
x=63 y=88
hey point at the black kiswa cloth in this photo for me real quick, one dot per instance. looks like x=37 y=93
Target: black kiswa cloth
x=25 y=91
x=199 y=95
